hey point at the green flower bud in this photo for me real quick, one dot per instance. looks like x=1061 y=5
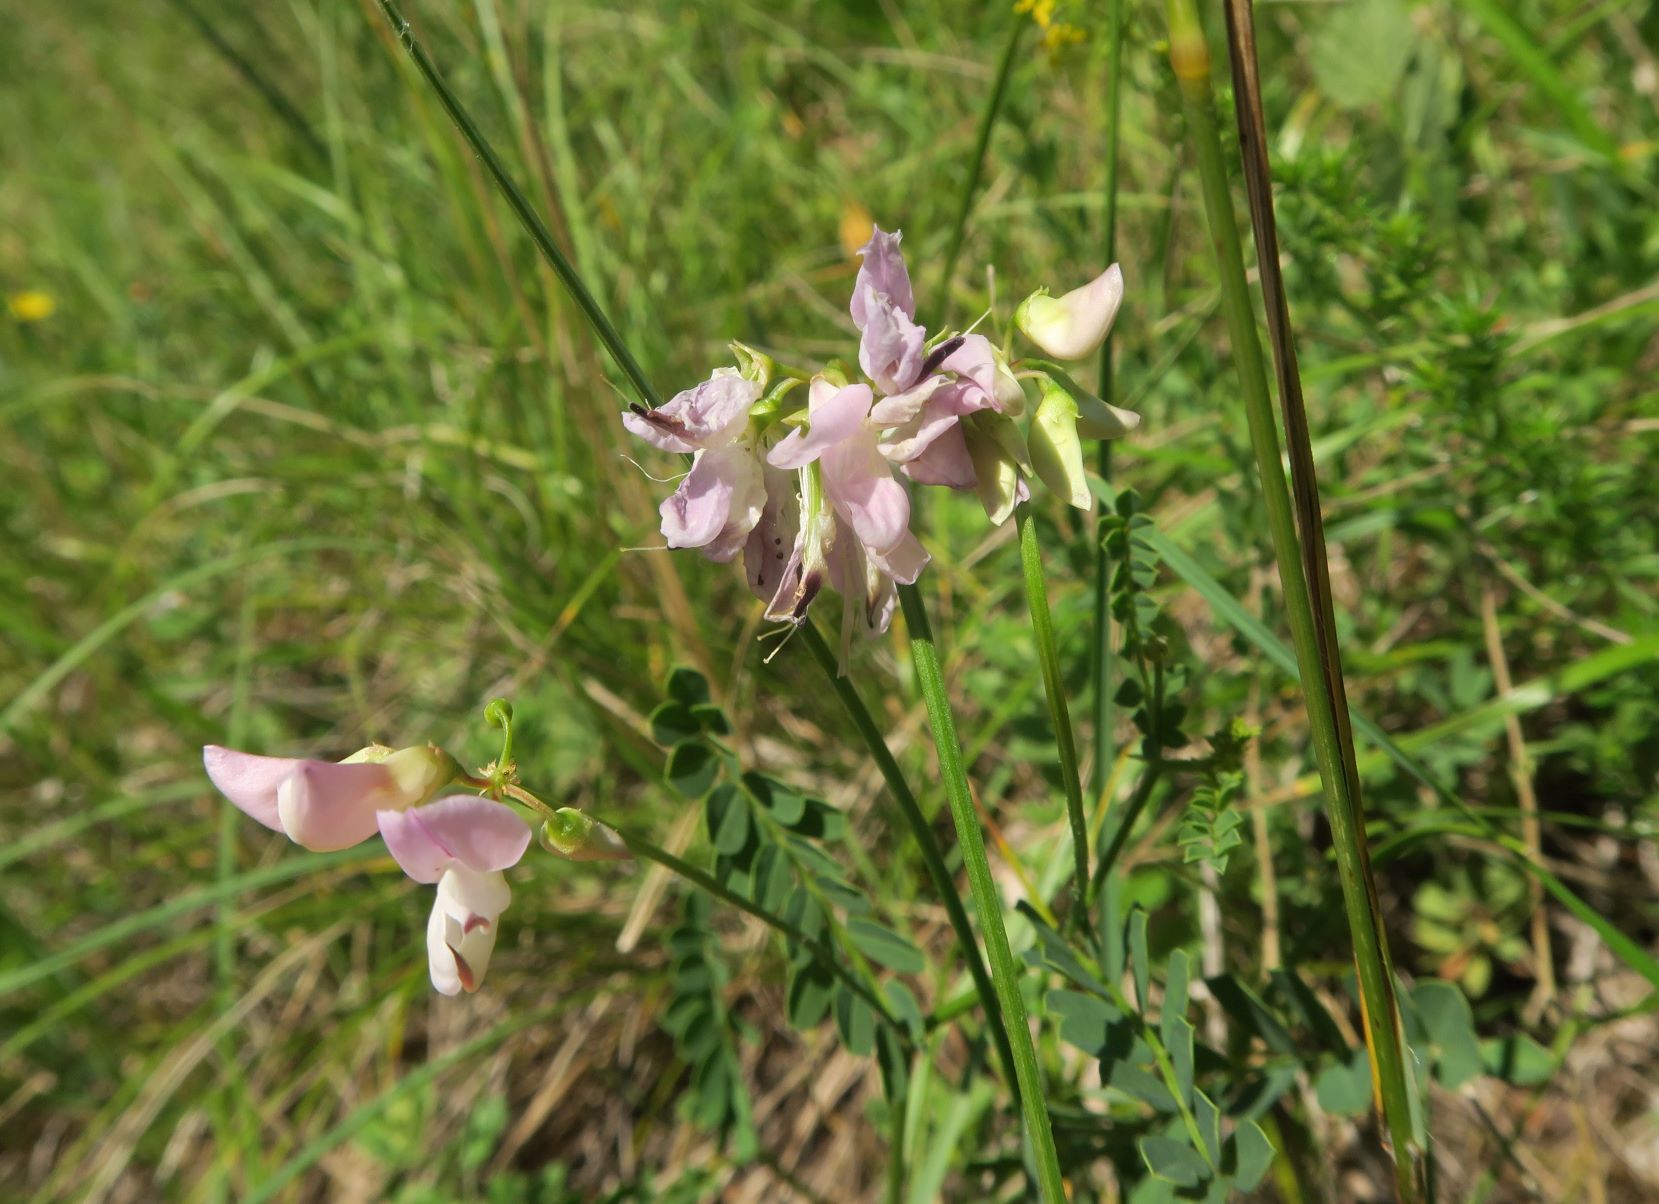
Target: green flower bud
x=1056 y=452
x=997 y=452
x=578 y=837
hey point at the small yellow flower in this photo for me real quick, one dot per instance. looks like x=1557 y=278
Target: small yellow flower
x=31 y=306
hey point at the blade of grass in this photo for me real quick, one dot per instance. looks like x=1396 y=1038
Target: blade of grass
x=1004 y=972
x=1321 y=668
x=533 y=225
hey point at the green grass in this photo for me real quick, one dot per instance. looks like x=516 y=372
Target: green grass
x=315 y=451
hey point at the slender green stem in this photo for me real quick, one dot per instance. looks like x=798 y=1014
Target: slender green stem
x=527 y=216
x=933 y=857
x=640 y=847
x=1100 y=652
x=1190 y=57
x=987 y=902
x=976 y=166
x=1118 y=835
x=1048 y=659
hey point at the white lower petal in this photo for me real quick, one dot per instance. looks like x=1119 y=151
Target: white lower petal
x=461 y=931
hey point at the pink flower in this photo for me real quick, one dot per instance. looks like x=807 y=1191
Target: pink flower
x=859 y=485
x=326 y=805
x=463 y=844
x=719 y=501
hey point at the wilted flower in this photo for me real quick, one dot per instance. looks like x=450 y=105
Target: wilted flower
x=327 y=805
x=1074 y=326
x=462 y=843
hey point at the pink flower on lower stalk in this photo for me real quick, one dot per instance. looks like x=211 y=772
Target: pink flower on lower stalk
x=857 y=481
x=327 y=805
x=463 y=844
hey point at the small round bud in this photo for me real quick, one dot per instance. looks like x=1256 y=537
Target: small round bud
x=498 y=713
x=570 y=834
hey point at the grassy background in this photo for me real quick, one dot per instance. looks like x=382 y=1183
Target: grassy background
x=312 y=452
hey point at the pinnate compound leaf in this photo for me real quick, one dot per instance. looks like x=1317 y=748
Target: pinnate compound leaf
x=885 y=946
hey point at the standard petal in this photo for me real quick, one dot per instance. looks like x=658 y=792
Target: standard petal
x=248 y=781
x=882 y=273
x=891 y=349
x=833 y=415
x=326 y=807
x=474 y=832
x=861 y=487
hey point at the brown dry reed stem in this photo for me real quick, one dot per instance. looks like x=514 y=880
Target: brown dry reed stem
x=1300 y=553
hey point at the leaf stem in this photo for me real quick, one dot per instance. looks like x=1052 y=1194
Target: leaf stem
x=641 y=847
x=1048 y=660
x=987 y=902
x=933 y=857
x=1318 y=661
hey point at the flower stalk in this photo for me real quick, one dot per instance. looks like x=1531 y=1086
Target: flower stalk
x=1048 y=660
x=933 y=857
x=1317 y=659
x=987 y=901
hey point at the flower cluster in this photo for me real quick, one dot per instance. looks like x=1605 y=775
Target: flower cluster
x=811 y=490
x=460 y=843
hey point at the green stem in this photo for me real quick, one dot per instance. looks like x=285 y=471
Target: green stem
x=987 y=902
x=933 y=857
x=641 y=847
x=1048 y=659
x=976 y=167
x=527 y=216
x=1119 y=833
x=1190 y=58
x=1100 y=654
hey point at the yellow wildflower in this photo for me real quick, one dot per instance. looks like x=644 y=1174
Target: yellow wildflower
x=31 y=305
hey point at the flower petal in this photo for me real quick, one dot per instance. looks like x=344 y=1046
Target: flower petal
x=1075 y=325
x=325 y=807
x=722 y=491
x=903 y=562
x=882 y=273
x=861 y=487
x=834 y=415
x=465 y=830
x=891 y=349
x=711 y=414
x=248 y=781
x=461 y=931
x=771 y=543
x=945 y=461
